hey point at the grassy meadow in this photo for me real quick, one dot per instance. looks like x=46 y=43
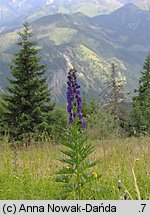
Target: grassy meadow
x=29 y=172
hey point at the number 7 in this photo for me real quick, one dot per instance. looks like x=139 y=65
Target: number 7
x=144 y=205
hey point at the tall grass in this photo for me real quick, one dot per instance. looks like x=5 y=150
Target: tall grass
x=28 y=173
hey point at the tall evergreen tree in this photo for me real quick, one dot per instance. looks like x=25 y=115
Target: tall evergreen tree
x=113 y=97
x=28 y=101
x=141 y=102
x=115 y=90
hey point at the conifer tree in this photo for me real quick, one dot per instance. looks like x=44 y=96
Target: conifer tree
x=2 y=126
x=113 y=97
x=28 y=98
x=115 y=90
x=141 y=102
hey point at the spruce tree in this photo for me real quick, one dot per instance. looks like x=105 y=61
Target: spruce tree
x=113 y=97
x=28 y=101
x=141 y=102
x=115 y=90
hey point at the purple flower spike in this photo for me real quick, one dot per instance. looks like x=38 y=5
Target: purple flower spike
x=73 y=98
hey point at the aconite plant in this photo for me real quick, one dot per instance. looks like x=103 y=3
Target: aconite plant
x=76 y=172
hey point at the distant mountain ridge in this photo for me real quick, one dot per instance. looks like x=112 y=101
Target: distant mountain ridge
x=90 y=44
x=11 y=10
x=129 y=22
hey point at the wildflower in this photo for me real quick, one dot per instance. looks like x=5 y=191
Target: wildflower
x=74 y=99
x=94 y=174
